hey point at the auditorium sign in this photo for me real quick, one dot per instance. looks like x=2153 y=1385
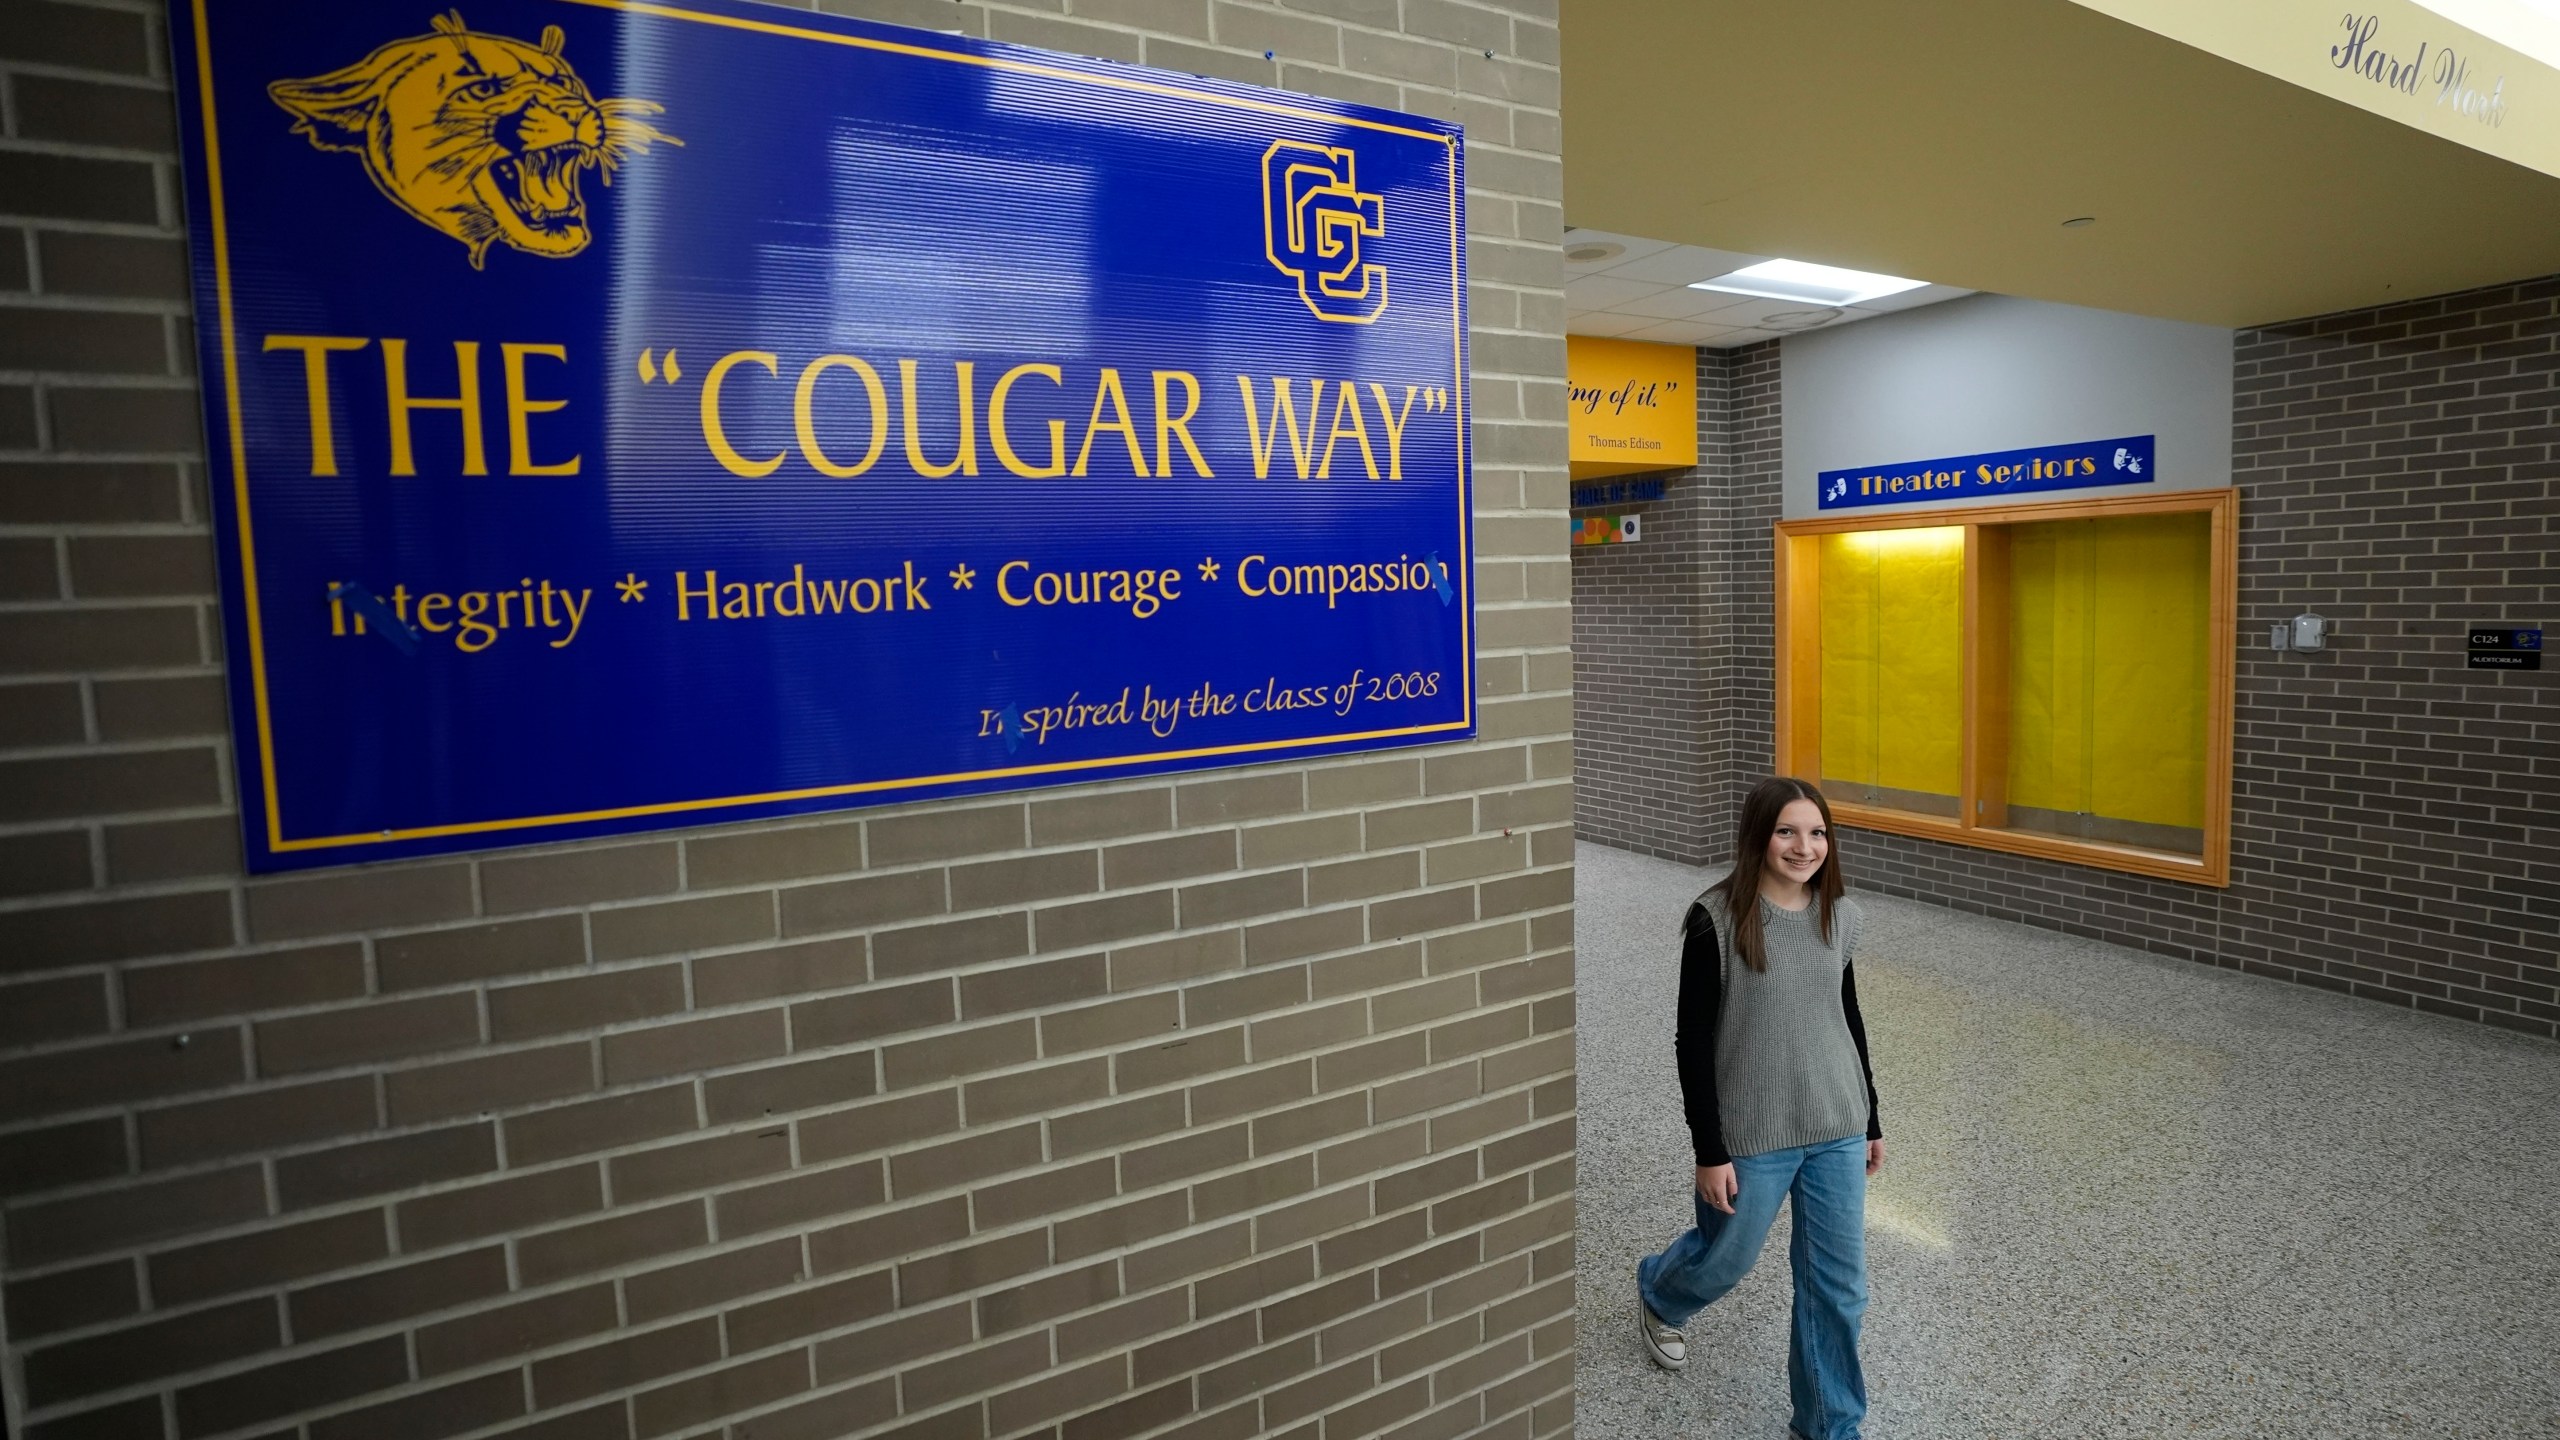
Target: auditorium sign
x=627 y=415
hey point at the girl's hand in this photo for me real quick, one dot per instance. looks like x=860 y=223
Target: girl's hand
x=1875 y=1156
x=1717 y=1184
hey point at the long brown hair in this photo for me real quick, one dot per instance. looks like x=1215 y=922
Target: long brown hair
x=1740 y=891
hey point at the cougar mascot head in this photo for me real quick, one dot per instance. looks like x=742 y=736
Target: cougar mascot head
x=480 y=136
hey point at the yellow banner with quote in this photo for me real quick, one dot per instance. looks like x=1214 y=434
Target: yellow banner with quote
x=1633 y=406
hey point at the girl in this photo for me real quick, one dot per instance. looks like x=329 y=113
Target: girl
x=1780 y=1101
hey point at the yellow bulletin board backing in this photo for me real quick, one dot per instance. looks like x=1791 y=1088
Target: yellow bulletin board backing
x=1634 y=407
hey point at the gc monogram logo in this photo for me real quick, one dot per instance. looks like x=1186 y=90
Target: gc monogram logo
x=1313 y=215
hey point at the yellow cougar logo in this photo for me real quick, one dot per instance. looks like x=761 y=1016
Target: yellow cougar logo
x=480 y=136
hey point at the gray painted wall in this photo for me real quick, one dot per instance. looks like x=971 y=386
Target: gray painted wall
x=1992 y=372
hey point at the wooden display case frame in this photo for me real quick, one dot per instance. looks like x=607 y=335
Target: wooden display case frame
x=1983 y=805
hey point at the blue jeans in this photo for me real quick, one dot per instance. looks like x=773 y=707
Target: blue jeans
x=1828 y=1256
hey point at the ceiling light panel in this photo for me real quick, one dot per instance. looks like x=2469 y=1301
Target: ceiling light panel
x=1809 y=283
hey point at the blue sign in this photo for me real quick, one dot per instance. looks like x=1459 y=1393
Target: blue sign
x=1618 y=492
x=2125 y=461
x=628 y=415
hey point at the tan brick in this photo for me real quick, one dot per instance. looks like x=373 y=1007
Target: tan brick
x=958 y=1162
x=694 y=1045
x=1250 y=1284
x=1473 y=859
x=478 y=952
x=1365 y=970
x=896 y=1342
x=118 y=1072
x=589 y=875
x=1376 y=1060
x=374 y=1167
x=1469 y=1124
x=1203 y=1346
x=876 y=1238
x=1084 y=1131
x=48 y=1158
x=949 y=944
x=911 y=838
x=179 y=707
x=1432 y=1090
x=1032 y=1092
x=1059 y=1188
x=1048 y=1297
x=1259 y=1089
x=1039 y=986
x=242 y=984
x=259 y=1119
x=47 y=863
x=763 y=856
x=1403 y=825
x=1224 y=902
x=1120 y=1325
x=1376 y=1150
x=863 y=1129
x=1174 y=857
x=673 y=927
x=1430 y=1181
x=962 y=1052
x=515 y=1330
x=1413 y=914
x=399 y=1293
x=862 y=902
x=41 y=1234
x=153 y=851
x=812 y=1309
x=1250 y=796
x=266 y=1258
x=1275 y=941
x=1483 y=945
x=1309 y=1123
x=1312 y=1028
x=606 y=1124
x=1195 y=1053
x=613 y=1241
x=777 y=1203
x=1254 y=1189
x=585 y=1002
x=698 y=1165
x=308 y=1382
x=1362 y=785
x=1360 y=879
x=1120 y=1226
x=445 y=1410
x=1065 y=1032
x=489 y=1083
x=1477 y=769
x=1478 y=1033
x=1292 y=842
x=722 y=1392
x=432 y=1221
x=1192 y=1154
x=624 y=1362
x=1071 y=818
x=86 y=1297
x=869 y=1014
x=781 y=1089
x=351 y=900
x=1253 y=994
x=1063 y=1393
x=1022 y=880
x=1528 y=1062
x=1282 y=1226
x=1184 y=957
x=53 y=937
x=367 y=1034
x=971 y=1267
x=1089 y=923
x=783 y=971
x=90 y=1366
x=1527 y=892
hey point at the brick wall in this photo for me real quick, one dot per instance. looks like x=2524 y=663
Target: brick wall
x=1664 y=683
x=2391 y=834
x=1234 y=1106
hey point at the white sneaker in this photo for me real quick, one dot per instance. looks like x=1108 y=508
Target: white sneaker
x=1665 y=1344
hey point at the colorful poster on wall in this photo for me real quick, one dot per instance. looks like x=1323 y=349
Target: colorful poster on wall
x=1631 y=406
x=631 y=415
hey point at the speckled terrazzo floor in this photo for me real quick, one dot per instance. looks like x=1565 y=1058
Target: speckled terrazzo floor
x=2125 y=1196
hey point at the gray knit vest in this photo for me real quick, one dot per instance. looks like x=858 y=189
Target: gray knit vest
x=1787 y=1071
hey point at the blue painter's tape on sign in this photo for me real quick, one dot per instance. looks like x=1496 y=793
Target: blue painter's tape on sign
x=912 y=416
x=2123 y=461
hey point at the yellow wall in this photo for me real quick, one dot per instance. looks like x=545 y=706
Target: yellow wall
x=1893 y=659
x=2107 y=667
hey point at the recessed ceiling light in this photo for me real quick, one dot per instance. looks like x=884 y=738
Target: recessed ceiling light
x=2080 y=222
x=1798 y=280
x=1597 y=250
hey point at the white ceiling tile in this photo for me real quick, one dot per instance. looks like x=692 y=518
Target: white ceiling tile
x=1603 y=322
x=1752 y=312
x=1672 y=302
x=1602 y=292
x=1735 y=339
x=1678 y=332
x=1629 y=247
x=1681 y=264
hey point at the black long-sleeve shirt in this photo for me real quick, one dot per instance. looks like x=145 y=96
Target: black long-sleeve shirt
x=1702 y=1010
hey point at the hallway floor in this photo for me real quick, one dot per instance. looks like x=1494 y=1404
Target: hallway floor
x=2124 y=1196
